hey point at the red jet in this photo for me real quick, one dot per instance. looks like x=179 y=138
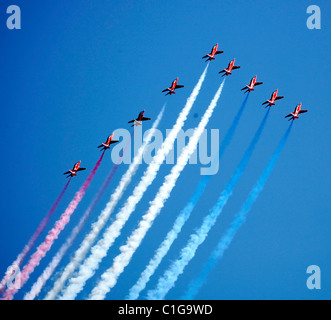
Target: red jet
x=295 y=114
x=273 y=99
x=213 y=52
x=251 y=85
x=108 y=142
x=74 y=170
x=231 y=67
x=174 y=86
x=137 y=122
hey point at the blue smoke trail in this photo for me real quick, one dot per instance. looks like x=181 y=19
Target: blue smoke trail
x=238 y=221
x=169 y=278
x=182 y=217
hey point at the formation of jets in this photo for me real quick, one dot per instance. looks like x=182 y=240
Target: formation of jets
x=171 y=90
x=106 y=145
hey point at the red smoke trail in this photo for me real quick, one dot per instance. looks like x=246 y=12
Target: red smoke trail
x=52 y=235
x=36 y=288
x=21 y=257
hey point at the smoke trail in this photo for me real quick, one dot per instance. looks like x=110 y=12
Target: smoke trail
x=105 y=214
x=110 y=276
x=37 y=286
x=182 y=217
x=238 y=221
x=99 y=251
x=167 y=281
x=52 y=234
x=21 y=257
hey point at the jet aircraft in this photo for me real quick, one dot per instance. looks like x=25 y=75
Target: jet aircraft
x=140 y=118
x=295 y=114
x=251 y=85
x=109 y=141
x=272 y=100
x=213 y=52
x=171 y=89
x=229 y=69
x=74 y=170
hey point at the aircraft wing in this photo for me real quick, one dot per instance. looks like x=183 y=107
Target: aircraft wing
x=258 y=83
x=218 y=52
x=80 y=169
x=206 y=56
x=235 y=67
x=67 y=172
x=165 y=90
x=302 y=111
x=288 y=115
x=281 y=97
x=113 y=141
x=144 y=119
x=132 y=121
x=178 y=86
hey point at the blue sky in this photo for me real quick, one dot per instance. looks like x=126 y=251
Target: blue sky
x=76 y=71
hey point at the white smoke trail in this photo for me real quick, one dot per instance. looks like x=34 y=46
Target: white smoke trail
x=182 y=218
x=170 y=276
x=105 y=214
x=99 y=251
x=110 y=276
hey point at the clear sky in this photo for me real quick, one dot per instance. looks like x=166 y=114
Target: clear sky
x=77 y=70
